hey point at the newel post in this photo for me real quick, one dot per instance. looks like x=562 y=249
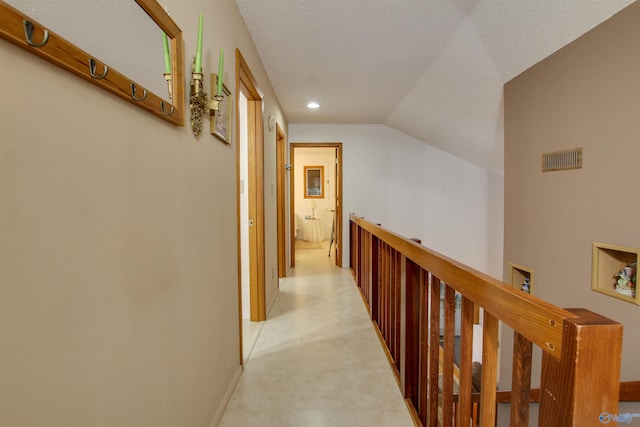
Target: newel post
x=584 y=384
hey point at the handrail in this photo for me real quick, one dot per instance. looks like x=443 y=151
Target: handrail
x=630 y=391
x=535 y=319
x=410 y=292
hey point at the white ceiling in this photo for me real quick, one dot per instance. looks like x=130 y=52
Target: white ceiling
x=432 y=69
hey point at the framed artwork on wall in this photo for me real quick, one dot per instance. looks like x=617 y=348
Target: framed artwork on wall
x=221 y=121
x=314 y=182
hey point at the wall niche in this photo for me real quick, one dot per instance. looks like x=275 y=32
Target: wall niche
x=614 y=271
x=521 y=277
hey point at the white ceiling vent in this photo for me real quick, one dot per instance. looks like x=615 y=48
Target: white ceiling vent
x=561 y=160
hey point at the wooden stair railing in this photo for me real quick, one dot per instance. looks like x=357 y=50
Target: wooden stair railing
x=629 y=392
x=404 y=285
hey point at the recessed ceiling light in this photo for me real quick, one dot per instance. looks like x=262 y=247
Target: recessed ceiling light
x=313 y=105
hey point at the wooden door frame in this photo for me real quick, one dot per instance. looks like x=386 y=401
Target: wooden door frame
x=338 y=192
x=247 y=84
x=280 y=190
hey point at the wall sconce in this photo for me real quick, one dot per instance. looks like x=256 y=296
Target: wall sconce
x=200 y=102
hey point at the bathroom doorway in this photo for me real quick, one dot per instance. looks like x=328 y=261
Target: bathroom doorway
x=316 y=199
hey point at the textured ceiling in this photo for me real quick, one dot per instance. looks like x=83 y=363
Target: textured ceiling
x=432 y=69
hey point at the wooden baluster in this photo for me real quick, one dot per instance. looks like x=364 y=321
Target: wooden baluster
x=370 y=244
x=584 y=383
x=410 y=377
x=384 y=317
x=392 y=326
x=375 y=273
x=398 y=320
x=392 y=305
x=448 y=355
x=365 y=263
x=463 y=413
x=381 y=287
x=489 y=370
x=359 y=232
x=434 y=350
x=423 y=393
x=352 y=246
x=367 y=271
x=520 y=381
x=353 y=242
x=390 y=300
x=363 y=260
x=358 y=254
x=363 y=254
x=375 y=279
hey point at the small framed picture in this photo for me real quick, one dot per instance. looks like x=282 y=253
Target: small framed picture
x=314 y=182
x=221 y=119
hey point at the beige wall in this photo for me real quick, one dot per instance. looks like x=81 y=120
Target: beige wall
x=118 y=290
x=586 y=95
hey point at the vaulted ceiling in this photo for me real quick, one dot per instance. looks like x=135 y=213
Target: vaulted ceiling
x=432 y=69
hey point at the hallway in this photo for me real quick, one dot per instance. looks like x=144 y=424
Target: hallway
x=317 y=360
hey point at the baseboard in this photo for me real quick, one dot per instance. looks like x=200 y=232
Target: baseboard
x=273 y=301
x=234 y=382
x=227 y=397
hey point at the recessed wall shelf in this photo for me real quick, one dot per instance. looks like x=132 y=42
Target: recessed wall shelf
x=519 y=276
x=613 y=271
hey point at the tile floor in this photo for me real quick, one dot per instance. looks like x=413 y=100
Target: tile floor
x=317 y=360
